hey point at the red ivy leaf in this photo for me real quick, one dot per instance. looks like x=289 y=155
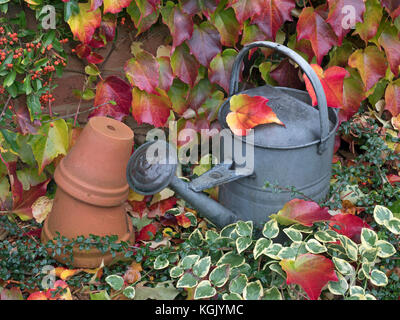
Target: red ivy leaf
x=332 y=82
x=349 y=225
x=312 y=26
x=227 y=26
x=23 y=120
x=183 y=221
x=221 y=67
x=286 y=75
x=245 y=9
x=392 y=98
x=392 y=7
x=343 y=15
x=95 y=58
x=372 y=18
x=116 y=89
x=82 y=50
x=147 y=233
x=150 y=108
x=166 y=75
x=205 y=43
x=302 y=212
x=141 y=23
x=184 y=65
x=353 y=95
x=112 y=6
x=248 y=112
x=312 y=272
x=159 y=208
x=142 y=71
x=390 y=41
x=274 y=14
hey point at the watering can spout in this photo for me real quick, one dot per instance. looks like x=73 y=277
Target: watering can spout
x=152 y=168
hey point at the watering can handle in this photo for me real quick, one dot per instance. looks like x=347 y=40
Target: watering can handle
x=307 y=69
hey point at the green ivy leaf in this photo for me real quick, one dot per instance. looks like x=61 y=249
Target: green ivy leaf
x=253 y=291
x=343 y=266
x=227 y=230
x=368 y=237
x=188 y=261
x=338 y=287
x=220 y=275
x=350 y=247
x=176 y=272
x=261 y=247
x=356 y=290
x=314 y=246
x=287 y=253
x=102 y=295
x=378 y=278
x=238 y=284
x=242 y=243
x=382 y=214
x=385 y=249
x=196 y=238
x=231 y=296
x=116 y=282
x=273 y=251
x=271 y=229
x=231 y=258
x=393 y=225
x=202 y=267
x=293 y=235
x=129 y=292
x=161 y=263
x=204 y=290
x=187 y=281
x=272 y=294
x=244 y=229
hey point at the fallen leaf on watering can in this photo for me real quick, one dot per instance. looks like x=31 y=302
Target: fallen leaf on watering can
x=133 y=275
x=349 y=226
x=332 y=82
x=11 y=294
x=312 y=272
x=162 y=195
x=162 y=291
x=159 y=208
x=41 y=208
x=248 y=112
x=302 y=212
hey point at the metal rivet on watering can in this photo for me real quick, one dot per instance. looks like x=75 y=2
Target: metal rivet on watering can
x=298 y=154
x=91 y=190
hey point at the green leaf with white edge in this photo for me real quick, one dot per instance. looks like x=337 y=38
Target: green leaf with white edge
x=393 y=225
x=238 y=284
x=220 y=275
x=287 y=253
x=204 y=290
x=231 y=296
x=244 y=229
x=325 y=236
x=385 y=249
x=343 y=266
x=301 y=228
x=211 y=236
x=261 y=247
x=273 y=251
x=102 y=295
x=368 y=237
x=161 y=263
x=370 y=296
x=188 y=261
x=272 y=294
x=116 y=282
x=253 y=291
x=357 y=297
x=231 y=258
x=369 y=255
x=196 y=238
x=338 y=287
x=382 y=214
x=223 y=242
x=367 y=269
x=129 y=292
x=176 y=272
x=271 y=229
x=278 y=269
x=227 y=230
x=360 y=275
x=299 y=247
x=293 y=234
x=187 y=281
x=315 y=247
x=242 y=243
x=356 y=290
x=378 y=278
x=202 y=267
x=350 y=247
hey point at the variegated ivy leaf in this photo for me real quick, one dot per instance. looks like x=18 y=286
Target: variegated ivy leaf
x=369 y=296
x=196 y=238
x=231 y=296
x=161 y=263
x=314 y=246
x=273 y=251
x=204 y=290
x=271 y=229
x=261 y=247
x=227 y=230
x=360 y=275
x=202 y=267
x=350 y=247
x=211 y=236
x=234 y=235
x=231 y=258
x=356 y=290
x=188 y=261
x=272 y=294
x=223 y=242
x=343 y=266
x=367 y=269
x=238 y=284
x=357 y=296
x=326 y=236
x=369 y=254
x=378 y=278
x=242 y=243
x=220 y=275
x=243 y=269
x=287 y=253
x=368 y=237
x=176 y=272
x=382 y=214
x=278 y=269
x=301 y=228
x=299 y=247
x=393 y=225
x=385 y=249
x=187 y=281
x=293 y=235
x=129 y=292
x=338 y=287
x=253 y=291
x=244 y=229
x=116 y=282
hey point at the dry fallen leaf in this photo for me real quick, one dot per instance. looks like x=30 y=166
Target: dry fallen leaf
x=41 y=208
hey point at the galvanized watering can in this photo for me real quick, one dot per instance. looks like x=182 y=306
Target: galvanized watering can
x=298 y=154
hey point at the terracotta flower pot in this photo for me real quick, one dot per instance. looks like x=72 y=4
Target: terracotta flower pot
x=92 y=188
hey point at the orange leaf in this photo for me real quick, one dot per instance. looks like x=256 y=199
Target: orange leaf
x=332 y=82
x=392 y=98
x=39 y=295
x=133 y=275
x=183 y=221
x=85 y=22
x=248 y=112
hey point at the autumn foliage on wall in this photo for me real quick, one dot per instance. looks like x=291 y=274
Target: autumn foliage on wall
x=188 y=78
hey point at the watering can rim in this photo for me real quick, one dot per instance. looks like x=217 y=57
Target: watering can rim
x=331 y=111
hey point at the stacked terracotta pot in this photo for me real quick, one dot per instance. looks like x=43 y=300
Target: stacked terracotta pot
x=91 y=190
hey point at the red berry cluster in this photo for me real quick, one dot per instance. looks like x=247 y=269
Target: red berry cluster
x=47 y=97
